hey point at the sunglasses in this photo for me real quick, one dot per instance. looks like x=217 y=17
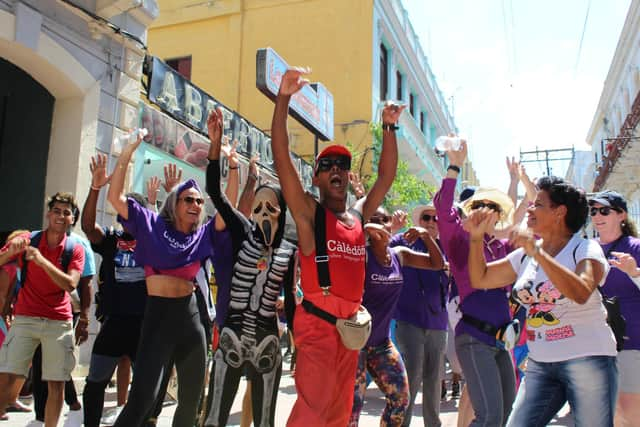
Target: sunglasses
x=480 y=205
x=380 y=219
x=326 y=163
x=427 y=218
x=604 y=210
x=191 y=200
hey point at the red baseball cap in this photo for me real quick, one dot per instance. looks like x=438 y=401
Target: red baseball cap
x=332 y=150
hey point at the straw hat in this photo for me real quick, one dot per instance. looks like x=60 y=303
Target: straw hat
x=417 y=212
x=496 y=196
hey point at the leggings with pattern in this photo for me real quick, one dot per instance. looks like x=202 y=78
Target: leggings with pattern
x=385 y=365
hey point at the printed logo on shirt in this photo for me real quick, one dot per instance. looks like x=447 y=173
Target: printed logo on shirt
x=173 y=242
x=126 y=268
x=375 y=277
x=346 y=251
x=543 y=299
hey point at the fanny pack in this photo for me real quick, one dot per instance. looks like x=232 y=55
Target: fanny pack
x=355 y=330
x=506 y=336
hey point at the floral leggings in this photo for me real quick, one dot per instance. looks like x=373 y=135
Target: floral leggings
x=385 y=365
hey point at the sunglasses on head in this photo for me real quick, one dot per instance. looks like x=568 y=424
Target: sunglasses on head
x=380 y=219
x=490 y=205
x=326 y=163
x=604 y=210
x=427 y=218
x=191 y=200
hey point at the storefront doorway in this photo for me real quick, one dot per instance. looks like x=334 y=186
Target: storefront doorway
x=26 y=111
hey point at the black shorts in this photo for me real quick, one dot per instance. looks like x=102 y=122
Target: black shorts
x=118 y=337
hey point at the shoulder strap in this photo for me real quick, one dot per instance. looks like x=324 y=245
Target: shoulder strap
x=67 y=253
x=35 y=242
x=322 y=258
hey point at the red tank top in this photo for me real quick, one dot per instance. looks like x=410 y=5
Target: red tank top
x=346 y=250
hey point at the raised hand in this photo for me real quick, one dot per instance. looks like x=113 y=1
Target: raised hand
x=625 y=262
x=356 y=185
x=293 y=80
x=153 y=186
x=479 y=222
x=214 y=125
x=398 y=220
x=457 y=157
x=18 y=244
x=514 y=168
x=98 y=167
x=413 y=234
x=253 y=166
x=523 y=239
x=229 y=150
x=391 y=112
x=129 y=148
x=33 y=254
x=172 y=176
x=376 y=231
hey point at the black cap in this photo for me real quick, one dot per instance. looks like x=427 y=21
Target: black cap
x=610 y=198
x=466 y=193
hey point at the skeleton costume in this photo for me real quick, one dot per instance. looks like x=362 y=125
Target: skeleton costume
x=262 y=263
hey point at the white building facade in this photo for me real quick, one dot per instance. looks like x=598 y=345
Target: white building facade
x=614 y=133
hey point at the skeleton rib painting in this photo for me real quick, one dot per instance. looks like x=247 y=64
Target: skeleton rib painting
x=263 y=263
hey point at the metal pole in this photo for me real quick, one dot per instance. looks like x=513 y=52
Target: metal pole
x=315 y=147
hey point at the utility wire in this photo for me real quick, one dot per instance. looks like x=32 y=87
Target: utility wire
x=584 y=30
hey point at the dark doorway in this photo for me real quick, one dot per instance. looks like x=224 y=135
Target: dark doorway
x=26 y=111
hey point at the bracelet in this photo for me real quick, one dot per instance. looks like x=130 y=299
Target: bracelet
x=236 y=167
x=454 y=168
x=95 y=188
x=390 y=126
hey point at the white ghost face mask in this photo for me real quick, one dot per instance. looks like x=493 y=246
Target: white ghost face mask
x=265 y=212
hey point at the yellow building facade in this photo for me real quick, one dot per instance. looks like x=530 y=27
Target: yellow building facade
x=222 y=38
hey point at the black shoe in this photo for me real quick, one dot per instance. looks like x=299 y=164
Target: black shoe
x=443 y=392
x=455 y=390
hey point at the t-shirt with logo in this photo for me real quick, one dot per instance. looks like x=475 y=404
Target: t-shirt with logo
x=159 y=245
x=382 y=288
x=39 y=295
x=346 y=251
x=557 y=327
x=121 y=281
x=620 y=285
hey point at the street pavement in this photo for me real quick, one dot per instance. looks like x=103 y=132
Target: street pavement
x=370 y=417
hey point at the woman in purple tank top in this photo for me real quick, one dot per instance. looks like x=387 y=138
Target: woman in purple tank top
x=383 y=282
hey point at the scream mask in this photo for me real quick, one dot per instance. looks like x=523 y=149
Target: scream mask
x=265 y=212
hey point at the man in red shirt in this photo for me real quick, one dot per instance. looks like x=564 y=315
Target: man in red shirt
x=43 y=310
x=325 y=368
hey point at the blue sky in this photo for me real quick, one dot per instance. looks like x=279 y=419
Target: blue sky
x=516 y=71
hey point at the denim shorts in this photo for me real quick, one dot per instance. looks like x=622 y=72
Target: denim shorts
x=629 y=370
x=588 y=383
x=25 y=334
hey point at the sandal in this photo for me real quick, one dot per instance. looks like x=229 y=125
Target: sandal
x=18 y=406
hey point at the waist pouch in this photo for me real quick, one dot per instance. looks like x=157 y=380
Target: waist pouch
x=354 y=331
x=506 y=336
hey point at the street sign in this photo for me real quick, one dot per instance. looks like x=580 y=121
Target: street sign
x=312 y=106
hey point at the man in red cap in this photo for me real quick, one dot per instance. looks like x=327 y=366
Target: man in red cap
x=325 y=368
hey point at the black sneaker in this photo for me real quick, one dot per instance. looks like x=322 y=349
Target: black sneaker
x=443 y=392
x=455 y=390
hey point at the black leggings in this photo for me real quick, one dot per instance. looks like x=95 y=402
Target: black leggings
x=171 y=331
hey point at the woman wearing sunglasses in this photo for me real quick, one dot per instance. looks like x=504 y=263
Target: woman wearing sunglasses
x=618 y=238
x=486 y=365
x=383 y=282
x=171 y=246
x=572 y=350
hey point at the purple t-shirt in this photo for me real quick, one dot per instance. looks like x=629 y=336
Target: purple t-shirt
x=382 y=287
x=491 y=306
x=424 y=296
x=161 y=246
x=619 y=284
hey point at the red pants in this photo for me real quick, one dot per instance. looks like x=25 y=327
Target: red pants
x=325 y=369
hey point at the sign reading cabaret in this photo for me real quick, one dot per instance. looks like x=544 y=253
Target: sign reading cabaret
x=190 y=106
x=312 y=106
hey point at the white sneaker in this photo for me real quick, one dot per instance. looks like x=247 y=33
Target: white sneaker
x=35 y=423
x=74 y=418
x=110 y=417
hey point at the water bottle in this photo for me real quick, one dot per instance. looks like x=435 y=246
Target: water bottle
x=119 y=142
x=447 y=143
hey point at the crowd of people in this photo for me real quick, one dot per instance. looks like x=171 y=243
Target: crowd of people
x=530 y=315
